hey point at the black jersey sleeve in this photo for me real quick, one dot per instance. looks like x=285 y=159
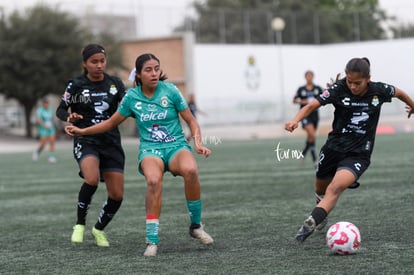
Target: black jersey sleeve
x=330 y=95
x=121 y=88
x=325 y=97
x=297 y=94
x=62 y=110
x=387 y=91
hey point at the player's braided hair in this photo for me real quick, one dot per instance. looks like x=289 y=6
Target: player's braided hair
x=333 y=81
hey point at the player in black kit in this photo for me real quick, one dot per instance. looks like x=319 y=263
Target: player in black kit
x=347 y=152
x=304 y=95
x=92 y=98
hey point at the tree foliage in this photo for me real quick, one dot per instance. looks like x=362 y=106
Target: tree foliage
x=403 y=30
x=307 y=22
x=41 y=50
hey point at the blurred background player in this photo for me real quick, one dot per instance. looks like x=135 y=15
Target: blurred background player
x=156 y=106
x=46 y=131
x=304 y=95
x=93 y=97
x=192 y=105
x=347 y=152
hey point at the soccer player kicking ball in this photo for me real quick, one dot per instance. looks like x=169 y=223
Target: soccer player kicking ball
x=156 y=106
x=347 y=152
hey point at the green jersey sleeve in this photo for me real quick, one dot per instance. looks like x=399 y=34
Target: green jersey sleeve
x=179 y=102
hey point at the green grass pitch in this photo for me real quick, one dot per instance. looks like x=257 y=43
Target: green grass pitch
x=253 y=202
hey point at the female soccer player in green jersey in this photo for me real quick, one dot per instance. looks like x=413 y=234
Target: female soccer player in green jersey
x=156 y=106
x=347 y=152
x=46 y=131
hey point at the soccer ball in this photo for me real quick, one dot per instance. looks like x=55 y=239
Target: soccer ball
x=343 y=238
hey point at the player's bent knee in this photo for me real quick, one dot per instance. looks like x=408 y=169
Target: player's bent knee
x=154 y=181
x=117 y=195
x=92 y=180
x=190 y=172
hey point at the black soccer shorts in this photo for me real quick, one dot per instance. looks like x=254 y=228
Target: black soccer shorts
x=331 y=161
x=111 y=156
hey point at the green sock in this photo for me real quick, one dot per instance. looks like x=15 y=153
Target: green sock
x=194 y=210
x=152 y=226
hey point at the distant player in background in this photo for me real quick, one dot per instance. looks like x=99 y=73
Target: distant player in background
x=347 y=152
x=192 y=105
x=156 y=106
x=91 y=98
x=304 y=95
x=46 y=131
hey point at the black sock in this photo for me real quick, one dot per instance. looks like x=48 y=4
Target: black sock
x=194 y=226
x=84 y=200
x=312 y=150
x=108 y=211
x=306 y=148
x=319 y=214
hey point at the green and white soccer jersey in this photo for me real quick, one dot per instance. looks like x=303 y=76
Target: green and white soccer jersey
x=356 y=117
x=46 y=128
x=156 y=117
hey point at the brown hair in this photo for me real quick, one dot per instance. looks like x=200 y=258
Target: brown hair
x=139 y=63
x=358 y=65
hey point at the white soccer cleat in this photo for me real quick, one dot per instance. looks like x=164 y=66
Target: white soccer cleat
x=52 y=159
x=151 y=250
x=200 y=234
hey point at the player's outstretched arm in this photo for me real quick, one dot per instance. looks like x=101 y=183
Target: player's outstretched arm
x=99 y=128
x=304 y=112
x=404 y=97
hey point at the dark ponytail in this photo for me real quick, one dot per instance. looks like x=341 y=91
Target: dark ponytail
x=359 y=65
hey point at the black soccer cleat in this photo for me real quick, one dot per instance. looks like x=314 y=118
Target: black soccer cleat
x=322 y=225
x=306 y=230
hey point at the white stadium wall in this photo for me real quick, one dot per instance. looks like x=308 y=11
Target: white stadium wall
x=233 y=91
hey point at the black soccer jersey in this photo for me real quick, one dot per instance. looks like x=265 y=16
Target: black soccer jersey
x=95 y=101
x=303 y=93
x=355 y=117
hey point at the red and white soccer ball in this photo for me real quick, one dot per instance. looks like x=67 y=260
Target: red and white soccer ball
x=343 y=238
